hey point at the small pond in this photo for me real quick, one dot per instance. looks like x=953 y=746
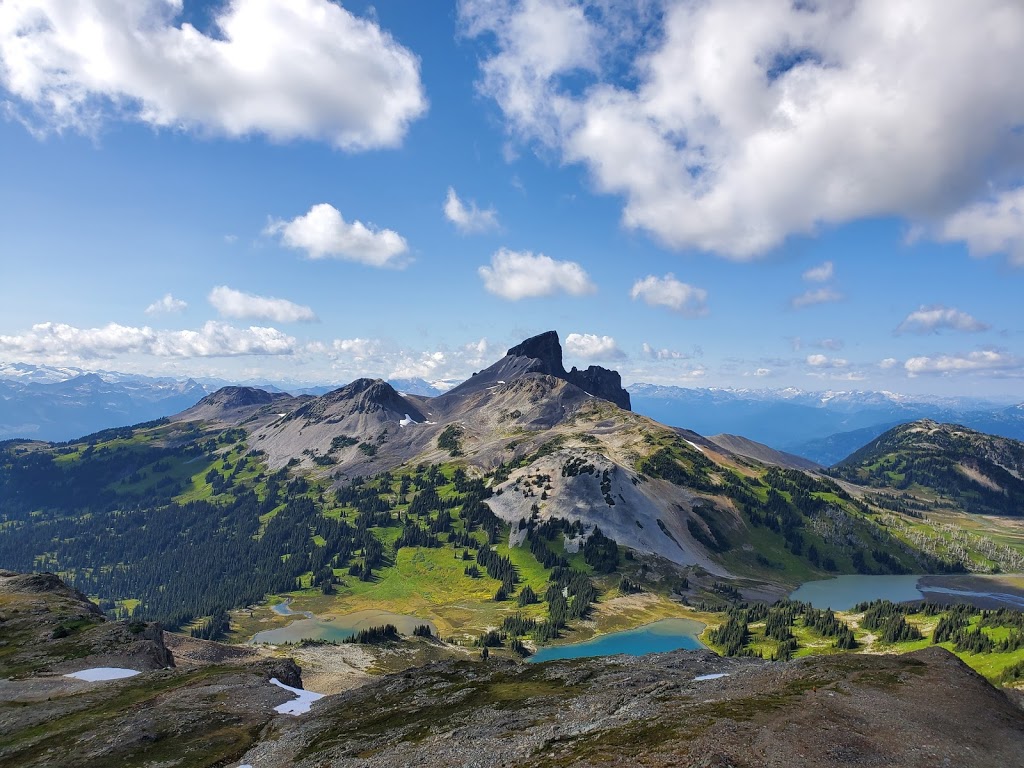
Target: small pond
x=337 y=629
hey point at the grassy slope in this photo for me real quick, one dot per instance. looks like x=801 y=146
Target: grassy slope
x=990 y=665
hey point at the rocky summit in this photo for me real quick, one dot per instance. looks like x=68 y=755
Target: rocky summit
x=542 y=355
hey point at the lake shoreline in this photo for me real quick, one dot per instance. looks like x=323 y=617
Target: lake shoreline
x=986 y=591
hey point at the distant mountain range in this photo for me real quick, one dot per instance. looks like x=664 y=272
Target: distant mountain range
x=62 y=403
x=825 y=427
x=58 y=403
x=50 y=403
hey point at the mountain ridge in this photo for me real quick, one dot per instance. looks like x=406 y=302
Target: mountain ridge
x=979 y=472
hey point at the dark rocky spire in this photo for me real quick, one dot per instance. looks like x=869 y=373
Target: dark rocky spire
x=598 y=381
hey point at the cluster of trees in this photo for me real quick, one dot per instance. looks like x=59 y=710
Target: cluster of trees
x=212 y=628
x=600 y=552
x=451 y=440
x=681 y=465
x=954 y=627
x=733 y=636
x=182 y=560
x=826 y=624
x=779 y=619
x=889 y=620
x=375 y=635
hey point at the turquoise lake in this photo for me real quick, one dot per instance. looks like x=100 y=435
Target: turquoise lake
x=658 y=637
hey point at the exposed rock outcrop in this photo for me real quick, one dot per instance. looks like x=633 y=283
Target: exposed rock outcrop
x=601 y=382
x=542 y=354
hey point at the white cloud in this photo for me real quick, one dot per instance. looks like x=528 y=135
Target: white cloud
x=663 y=353
x=888 y=363
x=377 y=357
x=821 y=273
x=815 y=296
x=515 y=275
x=668 y=292
x=468 y=218
x=761 y=372
x=419 y=365
x=823 y=361
x=359 y=349
x=323 y=233
x=539 y=40
x=214 y=339
x=286 y=69
x=222 y=340
x=247 y=306
x=741 y=122
x=991 y=226
x=167 y=305
x=834 y=376
x=592 y=347
x=982 y=360
x=932 y=319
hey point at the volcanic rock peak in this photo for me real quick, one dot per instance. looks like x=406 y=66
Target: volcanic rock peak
x=544 y=347
x=595 y=380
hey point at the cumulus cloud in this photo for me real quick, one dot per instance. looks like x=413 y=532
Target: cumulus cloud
x=991 y=226
x=815 y=296
x=592 y=347
x=285 y=69
x=515 y=275
x=468 y=218
x=740 y=123
x=668 y=292
x=214 y=339
x=821 y=273
x=380 y=357
x=824 y=361
x=761 y=372
x=168 y=305
x=247 y=306
x=888 y=363
x=323 y=233
x=358 y=348
x=989 y=360
x=663 y=353
x=932 y=319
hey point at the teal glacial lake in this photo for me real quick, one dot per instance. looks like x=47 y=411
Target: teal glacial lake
x=658 y=637
x=334 y=630
x=844 y=592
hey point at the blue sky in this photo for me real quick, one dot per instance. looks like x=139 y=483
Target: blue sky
x=703 y=194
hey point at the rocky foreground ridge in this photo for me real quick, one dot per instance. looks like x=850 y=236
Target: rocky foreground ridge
x=682 y=708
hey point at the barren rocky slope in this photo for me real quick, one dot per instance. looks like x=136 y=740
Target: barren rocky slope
x=205 y=712
x=922 y=709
